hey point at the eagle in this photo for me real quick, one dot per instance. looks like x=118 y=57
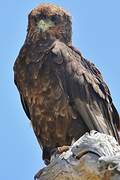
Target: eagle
x=63 y=94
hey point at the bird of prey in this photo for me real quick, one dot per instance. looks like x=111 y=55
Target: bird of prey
x=62 y=93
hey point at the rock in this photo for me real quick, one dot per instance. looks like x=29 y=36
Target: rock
x=95 y=156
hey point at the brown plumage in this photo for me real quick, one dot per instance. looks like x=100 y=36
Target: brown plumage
x=62 y=93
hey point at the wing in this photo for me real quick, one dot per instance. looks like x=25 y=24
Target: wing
x=23 y=101
x=88 y=93
x=21 y=56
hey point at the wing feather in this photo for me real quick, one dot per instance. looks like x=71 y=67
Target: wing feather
x=23 y=101
x=21 y=56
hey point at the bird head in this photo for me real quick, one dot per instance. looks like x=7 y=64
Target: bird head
x=49 y=21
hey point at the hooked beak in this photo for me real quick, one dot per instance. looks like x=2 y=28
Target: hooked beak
x=44 y=25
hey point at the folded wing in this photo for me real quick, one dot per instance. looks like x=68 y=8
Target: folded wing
x=88 y=93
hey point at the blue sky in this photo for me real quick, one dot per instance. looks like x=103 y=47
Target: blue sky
x=96 y=32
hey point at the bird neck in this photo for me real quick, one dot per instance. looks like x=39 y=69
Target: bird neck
x=42 y=43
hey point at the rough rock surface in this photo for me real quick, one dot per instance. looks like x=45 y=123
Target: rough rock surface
x=94 y=156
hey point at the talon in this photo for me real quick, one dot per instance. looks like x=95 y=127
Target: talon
x=62 y=149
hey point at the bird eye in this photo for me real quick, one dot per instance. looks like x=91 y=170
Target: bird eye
x=44 y=17
x=53 y=18
x=56 y=19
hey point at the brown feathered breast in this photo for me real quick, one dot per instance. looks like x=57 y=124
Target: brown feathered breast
x=45 y=99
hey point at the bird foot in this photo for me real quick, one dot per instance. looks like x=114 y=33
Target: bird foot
x=62 y=149
x=59 y=150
